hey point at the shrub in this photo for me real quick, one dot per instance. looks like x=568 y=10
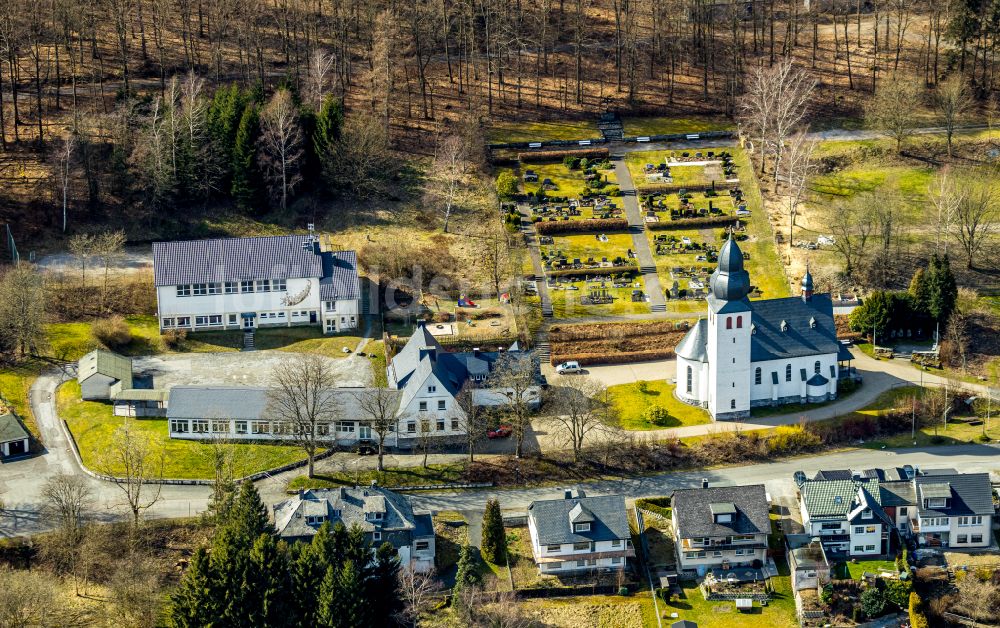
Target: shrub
x=442 y=317
x=582 y=226
x=622 y=590
x=555 y=155
x=687 y=223
x=571 y=162
x=657 y=505
x=174 y=338
x=873 y=602
x=506 y=185
x=791 y=439
x=113 y=332
x=657 y=415
x=917 y=617
x=826 y=594
x=898 y=592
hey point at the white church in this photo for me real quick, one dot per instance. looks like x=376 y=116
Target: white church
x=758 y=353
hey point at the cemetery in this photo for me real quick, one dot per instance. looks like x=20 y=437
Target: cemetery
x=592 y=274
x=672 y=169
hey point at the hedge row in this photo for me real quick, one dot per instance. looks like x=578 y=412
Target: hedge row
x=687 y=223
x=601 y=270
x=595 y=331
x=657 y=505
x=597 y=225
x=556 y=155
x=614 y=358
x=670 y=188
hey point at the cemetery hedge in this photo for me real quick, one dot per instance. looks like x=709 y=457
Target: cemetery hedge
x=600 y=270
x=613 y=358
x=539 y=156
x=688 y=223
x=669 y=188
x=596 y=225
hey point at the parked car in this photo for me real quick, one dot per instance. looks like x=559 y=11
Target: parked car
x=502 y=431
x=365 y=448
x=567 y=368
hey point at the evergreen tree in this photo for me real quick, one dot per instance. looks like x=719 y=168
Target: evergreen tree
x=224 y=114
x=494 y=536
x=249 y=514
x=268 y=580
x=920 y=291
x=194 y=601
x=245 y=188
x=306 y=569
x=383 y=587
x=467 y=574
x=874 y=314
x=942 y=290
x=356 y=548
x=342 y=600
x=329 y=121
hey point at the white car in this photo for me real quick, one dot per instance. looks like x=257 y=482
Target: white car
x=686 y=240
x=567 y=368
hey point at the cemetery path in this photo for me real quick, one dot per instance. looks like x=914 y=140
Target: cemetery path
x=531 y=241
x=640 y=244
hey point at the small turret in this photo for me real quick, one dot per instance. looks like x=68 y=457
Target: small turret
x=807 y=285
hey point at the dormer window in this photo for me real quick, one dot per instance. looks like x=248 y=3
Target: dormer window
x=581 y=527
x=866 y=513
x=374 y=516
x=723 y=518
x=837 y=499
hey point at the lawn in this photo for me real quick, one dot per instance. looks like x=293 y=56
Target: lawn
x=681 y=174
x=93 y=425
x=350 y=475
x=538 y=131
x=667 y=125
x=856 y=570
x=779 y=613
x=630 y=402
x=15 y=382
x=586 y=246
x=593 y=611
x=566 y=299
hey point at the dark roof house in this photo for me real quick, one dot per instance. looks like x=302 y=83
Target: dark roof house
x=846 y=499
x=721 y=511
x=954 y=495
x=578 y=518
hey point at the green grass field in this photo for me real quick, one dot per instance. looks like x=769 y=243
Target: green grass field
x=779 y=613
x=630 y=402
x=682 y=175
x=15 y=382
x=668 y=125
x=569 y=183
x=536 y=131
x=855 y=571
x=93 y=425
x=585 y=246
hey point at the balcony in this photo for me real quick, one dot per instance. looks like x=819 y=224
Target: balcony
x=686 y=545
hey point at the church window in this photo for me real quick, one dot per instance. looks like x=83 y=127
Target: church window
x=729 y=322
x=756 y=376
x=732 y=404
x=739 y=322
x=788 y=373
x=816 y=367
x=689 y=379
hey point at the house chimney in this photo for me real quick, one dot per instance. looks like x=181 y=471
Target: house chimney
x=568 y=494
x=704 y=482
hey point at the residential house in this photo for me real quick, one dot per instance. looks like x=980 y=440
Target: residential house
x=579 y=533
x=846 y=515
x=430 y=380
x=99 y=371
x=383 y=516
x=247 y=283
x=14 y=440
x=807 y=562
x=953 y=510
x=720 y=526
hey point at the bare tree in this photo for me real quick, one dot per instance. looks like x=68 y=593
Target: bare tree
x=304 y=399
x=952 y=99
x=318 y=79
x=975 y=217
x=281 y=145
x=132 y=460
x=81 y=246
x=378 y=409
x=26 y=598
x=108 y=247
x=425 y=438
x=135 y=589
x=851 y=225
x=362 y=157
x=474 y=419
x=418 y=591
x=957 y=338
x=22 y=310
x=495 y=254
x=65 y=162
x=447 y=172
x=798 y=168
x=946 y=197
x=886 y=113
x=68 y=499
x=514 y=384
x=580 y=409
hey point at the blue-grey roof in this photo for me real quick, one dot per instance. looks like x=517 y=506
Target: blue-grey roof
x=730 y=281
x=235 y=259
x=693 y=345
x=971 y=494
x=11 y=428
x=817 y=380
x=769 y=342
x=242 y=402
x=551 y=518
x=347 y=505
x=694 y=513
x=340 y=276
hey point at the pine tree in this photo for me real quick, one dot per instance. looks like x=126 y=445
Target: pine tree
x=874 y=315
x=268 y=580
x=383 y=587
x=467 y=574
x=329 y=122
x=224 y=115
x=920 y=291
x=342 y=601
x=942 y=290
x=306 y=569
x=494 y=536
x=194 y=602
x=249 y=514
x=245 y=188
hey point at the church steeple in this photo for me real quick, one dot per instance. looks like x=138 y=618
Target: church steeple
x=730 y=281
x=807 y=285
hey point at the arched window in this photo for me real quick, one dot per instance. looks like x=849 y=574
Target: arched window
x=788 y=373
x=816 y=367
x=729 y=322
x=732 y=404
x=739 y=322
x=756 y=376
x=690 y=378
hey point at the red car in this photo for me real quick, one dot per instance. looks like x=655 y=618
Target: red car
x=500 y=432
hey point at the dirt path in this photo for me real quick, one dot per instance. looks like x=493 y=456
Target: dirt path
x=637 y=229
